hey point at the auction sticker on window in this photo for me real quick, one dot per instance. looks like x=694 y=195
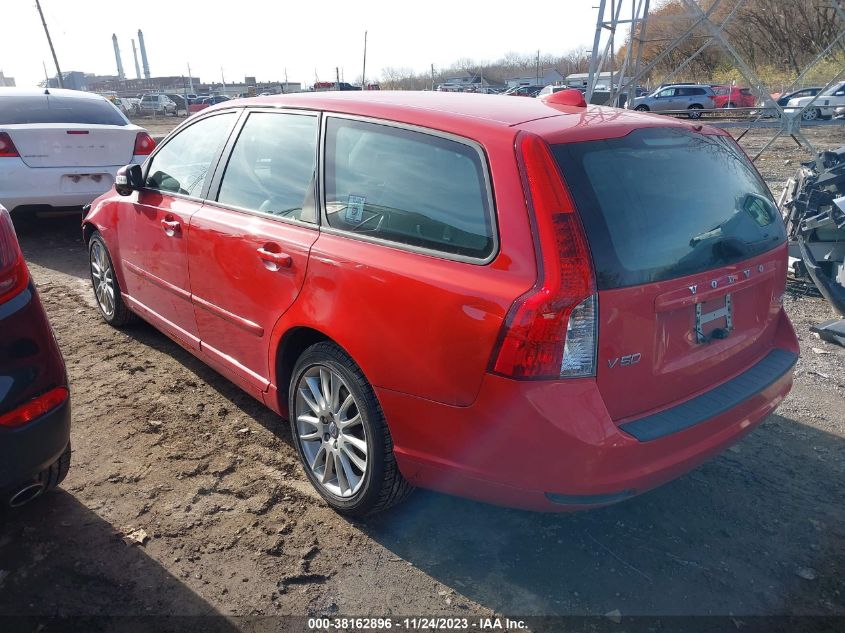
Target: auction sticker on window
x=355 y=208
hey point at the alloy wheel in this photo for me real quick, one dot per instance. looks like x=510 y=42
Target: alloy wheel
x=810 y=114
x=102 y=277
x=330 y=431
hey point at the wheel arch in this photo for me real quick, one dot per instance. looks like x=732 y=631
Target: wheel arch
x=292 y=344
x=88 y=229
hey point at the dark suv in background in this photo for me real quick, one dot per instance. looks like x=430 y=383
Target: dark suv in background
x=34 y=395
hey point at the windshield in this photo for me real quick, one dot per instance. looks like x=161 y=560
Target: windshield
x=55 y=109
x=834 y=89
x=662 y=203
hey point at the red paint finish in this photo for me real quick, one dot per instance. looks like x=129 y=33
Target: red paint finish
x=245 y=271
x=153 y=234
x=567 y=442
x=657 y=321
x=230 y=285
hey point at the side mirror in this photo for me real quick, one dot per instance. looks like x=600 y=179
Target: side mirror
x=128 y=179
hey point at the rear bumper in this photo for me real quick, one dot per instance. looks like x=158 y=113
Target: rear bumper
x=23 y=185
x=552 y=446
x=26 y=451
x=30 y=365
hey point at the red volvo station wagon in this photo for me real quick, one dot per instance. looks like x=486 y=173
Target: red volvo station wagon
x=533 y=303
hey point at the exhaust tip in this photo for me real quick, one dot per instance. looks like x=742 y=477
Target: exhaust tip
x=26 y=494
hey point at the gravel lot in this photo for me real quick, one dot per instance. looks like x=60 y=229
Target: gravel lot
x=164 y=444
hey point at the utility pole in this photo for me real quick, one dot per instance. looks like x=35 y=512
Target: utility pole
x=432 y=77
x=52 y=50
x=538 y=67
x=190 y=79
x=364 y=72
x=337 y=78
x=286 y=81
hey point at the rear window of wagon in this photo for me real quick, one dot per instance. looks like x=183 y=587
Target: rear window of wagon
x=21 y=110
x=662 y=203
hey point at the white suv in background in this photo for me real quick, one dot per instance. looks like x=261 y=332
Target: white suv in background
x=62 y=148
x=157 y=104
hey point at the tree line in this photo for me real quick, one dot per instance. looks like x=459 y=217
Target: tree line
x=777 y=38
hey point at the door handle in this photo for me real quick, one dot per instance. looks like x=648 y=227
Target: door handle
x=171 y=227
x=276 y=260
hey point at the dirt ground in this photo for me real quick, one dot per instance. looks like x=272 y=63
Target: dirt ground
x=164 y=444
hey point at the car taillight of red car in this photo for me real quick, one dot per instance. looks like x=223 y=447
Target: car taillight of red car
x=550 y=332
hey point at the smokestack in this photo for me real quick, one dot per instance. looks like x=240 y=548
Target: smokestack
x=143 y=54
x=135 y=55
x=120 y=73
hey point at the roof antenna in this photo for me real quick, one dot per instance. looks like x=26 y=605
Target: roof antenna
x=46 y=91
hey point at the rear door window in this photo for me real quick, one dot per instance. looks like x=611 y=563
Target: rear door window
x=273 y=165
x=661 y=203
x=22 y=110
x=412 y=188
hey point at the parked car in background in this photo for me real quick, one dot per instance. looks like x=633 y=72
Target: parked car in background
x=62 y=148
x=524 y=91
x=179 y=100
x=158 y=104
x=732 y=97
x=821 y=106
x=34 y=395
x=783 y=99
x=130 y=106
x=557 y=363
x=548 y=90
x=205 y=102
x=690 y=97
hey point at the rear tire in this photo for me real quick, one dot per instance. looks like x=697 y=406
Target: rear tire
x=811 y=114
x=104 y=281
x=642 y=108
x=694 y=111
x=329 y=439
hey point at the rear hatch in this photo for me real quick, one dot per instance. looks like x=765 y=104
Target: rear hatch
x=59 y=131
x=690 y=262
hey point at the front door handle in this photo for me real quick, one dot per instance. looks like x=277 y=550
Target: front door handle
x=171 y=227
x=274 y=260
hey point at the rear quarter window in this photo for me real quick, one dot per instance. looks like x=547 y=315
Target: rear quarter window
x=55 y=109
x=408 y=187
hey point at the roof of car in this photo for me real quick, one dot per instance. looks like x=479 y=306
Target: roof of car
x=496 y=109
x=53 y=92
x=462 y=113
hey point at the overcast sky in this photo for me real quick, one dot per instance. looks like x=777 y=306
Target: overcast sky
x=262 y=38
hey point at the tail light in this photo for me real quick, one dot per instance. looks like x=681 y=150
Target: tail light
x=550 y=331
x=35 y=408
x=7 y=148
x=144 y=144
x=13 y=272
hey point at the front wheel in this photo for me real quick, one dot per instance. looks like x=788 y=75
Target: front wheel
x=695 y=111
x=106 y=289
x=341 y=435
x=641 y=108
